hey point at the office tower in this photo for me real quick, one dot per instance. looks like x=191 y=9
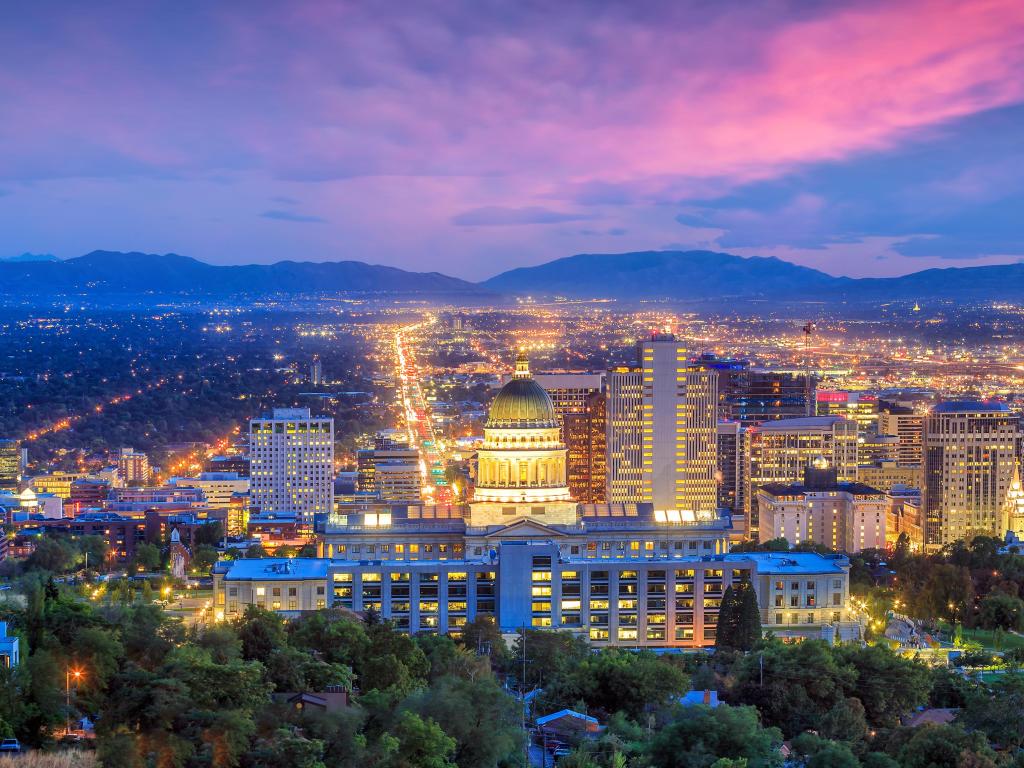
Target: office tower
x=908 y=427
x=133 y=467
x=662 y=430
x=731 y=466
x=753 y=395
x=876 y=448
x=292 y=463
x=12 y=464
x=584 y=434
x=861 y=407
x=237 y=464
x=402 y=478
x=568 y=391
x=969 y=463
x=398 y=480
x=624 y=420
x=779 y=451
x=316 y=372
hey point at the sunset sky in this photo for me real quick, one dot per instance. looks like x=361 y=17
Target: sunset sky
x=859 y=138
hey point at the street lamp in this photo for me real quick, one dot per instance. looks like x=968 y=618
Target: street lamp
x=68 y=674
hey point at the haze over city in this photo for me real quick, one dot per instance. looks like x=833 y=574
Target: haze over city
x=863 y=139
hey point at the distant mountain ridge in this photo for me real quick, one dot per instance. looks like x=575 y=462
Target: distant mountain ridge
x=111 y=272
x=706 y=275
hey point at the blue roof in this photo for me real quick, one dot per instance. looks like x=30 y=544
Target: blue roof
x=566 y=713
x=782 y=563
x=278 y=568
x=970 y=406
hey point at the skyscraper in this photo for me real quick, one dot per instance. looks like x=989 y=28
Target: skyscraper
x=969 y=463
x=584 y=434
x=316 y=372
x=133 y=467
x=731 y=467
x=12 y=464
x=674 y=429
x=752 y=395
x=908 y=427
x=779 y=452
x=624 y=430
x=292 y=463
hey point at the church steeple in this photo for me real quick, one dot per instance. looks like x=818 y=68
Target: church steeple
x=522 y=366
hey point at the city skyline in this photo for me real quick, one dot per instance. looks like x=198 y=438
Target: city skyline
x=859 y=139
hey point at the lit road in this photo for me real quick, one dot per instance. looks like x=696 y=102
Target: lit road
x=418 y=422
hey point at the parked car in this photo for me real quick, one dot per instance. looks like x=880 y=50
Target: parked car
x=10 y=746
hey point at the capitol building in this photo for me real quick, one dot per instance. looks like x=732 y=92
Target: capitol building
x=528 y=555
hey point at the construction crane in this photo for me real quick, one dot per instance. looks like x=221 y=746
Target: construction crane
x=808 y=386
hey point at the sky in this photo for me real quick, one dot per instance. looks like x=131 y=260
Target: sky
x=859 y=138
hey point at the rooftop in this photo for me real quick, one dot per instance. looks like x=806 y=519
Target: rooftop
x=970 y=406
x=277 y=568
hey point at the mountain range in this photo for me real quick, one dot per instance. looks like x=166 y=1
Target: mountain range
x=683 y=275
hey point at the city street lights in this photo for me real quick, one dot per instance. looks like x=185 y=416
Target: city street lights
x=68 y=674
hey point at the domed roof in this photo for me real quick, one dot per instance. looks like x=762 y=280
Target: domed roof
x=522 y=402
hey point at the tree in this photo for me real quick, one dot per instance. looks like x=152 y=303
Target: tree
x=203 y=558
x=940 y=746
x=616 y=680
x=801 y=682
x=739 y=621
x=547 y=653
x=210 y=534
x=886 y=684
x=998 y=610
x=147 y=557
x=261 y=632
x=996 y=711
x=51 y=554
x=482 y=635
x=421 y=744
x=478 y=714
x=833 y=754
x=845 y=721
x=704 y=735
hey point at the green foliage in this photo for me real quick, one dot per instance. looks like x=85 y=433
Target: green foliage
x=845 y=721
x=547 y=655
x=203 y=558
x=739 y=621
x=886 y=684
x=996 y=710
x=477 y=714
x=421 y=744
x=615 y=680
x=940 y=746
x=702 y=735
x=1002 y=611
x=147 y=557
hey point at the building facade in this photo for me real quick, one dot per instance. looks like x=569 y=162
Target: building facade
x=585 y=437
x=292 y=463
x=624 y=436
x=779 y=451
x=655 y=603
x=12 y=464
x=970 y=452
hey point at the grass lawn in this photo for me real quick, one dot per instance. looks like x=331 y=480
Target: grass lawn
x=987 y=638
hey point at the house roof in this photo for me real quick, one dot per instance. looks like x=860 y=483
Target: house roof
x=567 y=713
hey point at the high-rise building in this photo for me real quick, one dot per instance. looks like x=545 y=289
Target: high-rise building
x=753 y=395
x=578 y=401
x=969 y=462
x=861 y=407
x=779 y=451
x=397 y=480
x=731 y=467
x=316 y=372
x=292 y=463
x=908 y=427
x=391 y=469
x=624 y=436
x=133 y=467
x=12 y=464
x=238 y=464
x=584 y=434
x=662 y=430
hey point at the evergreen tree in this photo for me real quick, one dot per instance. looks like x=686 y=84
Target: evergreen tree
x=739 y=621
